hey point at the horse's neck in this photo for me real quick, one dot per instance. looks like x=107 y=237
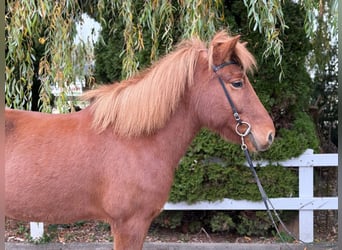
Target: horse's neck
x=178 y=133
x=168 y=143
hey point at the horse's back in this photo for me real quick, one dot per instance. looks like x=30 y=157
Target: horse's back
x=10 y=120
x=45 y=171
x=16 y=120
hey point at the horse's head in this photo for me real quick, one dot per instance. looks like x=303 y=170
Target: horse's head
x=232 y=61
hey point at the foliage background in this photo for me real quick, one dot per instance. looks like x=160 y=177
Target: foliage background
x=40 y=51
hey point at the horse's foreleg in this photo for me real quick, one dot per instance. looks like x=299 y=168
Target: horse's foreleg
x=131 y=235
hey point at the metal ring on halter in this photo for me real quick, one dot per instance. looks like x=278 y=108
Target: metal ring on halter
x=243 y=144
x=247 y=131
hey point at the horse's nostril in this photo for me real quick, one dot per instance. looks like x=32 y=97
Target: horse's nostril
x=270 y=138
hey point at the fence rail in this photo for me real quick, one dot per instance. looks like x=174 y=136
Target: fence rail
x=306 y=203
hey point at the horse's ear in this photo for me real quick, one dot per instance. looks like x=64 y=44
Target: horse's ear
x=222 y=51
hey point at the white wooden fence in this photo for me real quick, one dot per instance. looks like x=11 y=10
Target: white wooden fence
x=306 y=203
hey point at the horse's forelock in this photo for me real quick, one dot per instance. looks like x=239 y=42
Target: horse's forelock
x=244 y=57
x=238 y=53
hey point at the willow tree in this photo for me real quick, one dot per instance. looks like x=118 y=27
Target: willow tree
x=323 y=62
x=39 y=36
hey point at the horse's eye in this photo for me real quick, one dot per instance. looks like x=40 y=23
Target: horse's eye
x=237 y=84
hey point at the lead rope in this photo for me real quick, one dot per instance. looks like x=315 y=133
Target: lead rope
x=247 y=129
x=264 y=196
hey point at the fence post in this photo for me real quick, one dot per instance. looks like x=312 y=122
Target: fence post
x=36 y=230
x=306 y=217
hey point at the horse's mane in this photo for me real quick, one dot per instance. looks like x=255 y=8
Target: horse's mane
x=145 y=102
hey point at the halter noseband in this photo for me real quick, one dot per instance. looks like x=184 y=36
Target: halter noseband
x=236 y=115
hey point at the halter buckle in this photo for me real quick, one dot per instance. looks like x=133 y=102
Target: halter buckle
x=237 y=117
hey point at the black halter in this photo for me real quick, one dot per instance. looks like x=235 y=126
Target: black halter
x=242 y=128
x=217 y=68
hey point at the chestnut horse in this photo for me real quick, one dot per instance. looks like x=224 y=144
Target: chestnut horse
x=115 y=160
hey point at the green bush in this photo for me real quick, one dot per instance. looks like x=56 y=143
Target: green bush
x=244 y=223
x=253 y=223
x=171 y=219
x=221 y=222
x=207 y=172
x=293 y=141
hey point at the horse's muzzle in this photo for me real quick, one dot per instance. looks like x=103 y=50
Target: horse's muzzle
x=263 y=144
